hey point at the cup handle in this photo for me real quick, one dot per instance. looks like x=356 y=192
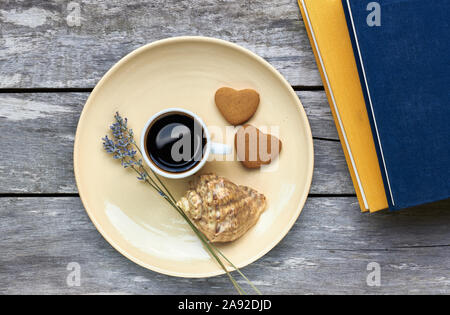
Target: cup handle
x=220 y=148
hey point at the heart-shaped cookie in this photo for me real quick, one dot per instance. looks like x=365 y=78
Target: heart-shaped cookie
x=237 y=106
x=255 y=148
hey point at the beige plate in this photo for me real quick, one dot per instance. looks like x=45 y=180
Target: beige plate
x=185 y=72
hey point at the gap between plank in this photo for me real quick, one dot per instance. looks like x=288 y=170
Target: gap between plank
x=395 y=248
x=308 y=88
x=40 y=195
x=45 y=90
x=326 y=139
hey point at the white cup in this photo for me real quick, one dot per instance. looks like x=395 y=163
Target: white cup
x=211 y=147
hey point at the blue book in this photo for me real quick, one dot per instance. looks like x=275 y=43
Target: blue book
x=402 y=48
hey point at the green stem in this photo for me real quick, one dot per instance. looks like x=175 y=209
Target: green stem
x=238 y=270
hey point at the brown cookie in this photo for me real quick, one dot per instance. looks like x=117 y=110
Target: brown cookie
x=255 y=148
x=237 y=106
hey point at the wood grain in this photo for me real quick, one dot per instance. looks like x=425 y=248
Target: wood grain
x=326 y=252
x=38 y=48
x=40 y=128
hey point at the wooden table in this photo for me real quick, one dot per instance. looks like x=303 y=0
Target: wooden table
x=49 y=65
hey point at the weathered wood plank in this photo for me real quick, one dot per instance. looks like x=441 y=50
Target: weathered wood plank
x=38 y=48
x=326 y=252
x=40 y=127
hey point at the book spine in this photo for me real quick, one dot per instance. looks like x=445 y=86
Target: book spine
x=390 y=199
x=362 y=203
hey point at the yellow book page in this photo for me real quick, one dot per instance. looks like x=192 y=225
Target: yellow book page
x=327 y=29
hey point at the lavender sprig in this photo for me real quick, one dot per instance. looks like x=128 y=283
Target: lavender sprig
x=123 y=147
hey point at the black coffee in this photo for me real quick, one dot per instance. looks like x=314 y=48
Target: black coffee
x=175 y=142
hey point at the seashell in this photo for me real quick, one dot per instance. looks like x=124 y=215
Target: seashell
x=220 y=209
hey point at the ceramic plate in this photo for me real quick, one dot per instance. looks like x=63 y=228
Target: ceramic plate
x=185 y=72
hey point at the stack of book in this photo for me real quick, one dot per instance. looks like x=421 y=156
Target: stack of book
x=386 y=69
